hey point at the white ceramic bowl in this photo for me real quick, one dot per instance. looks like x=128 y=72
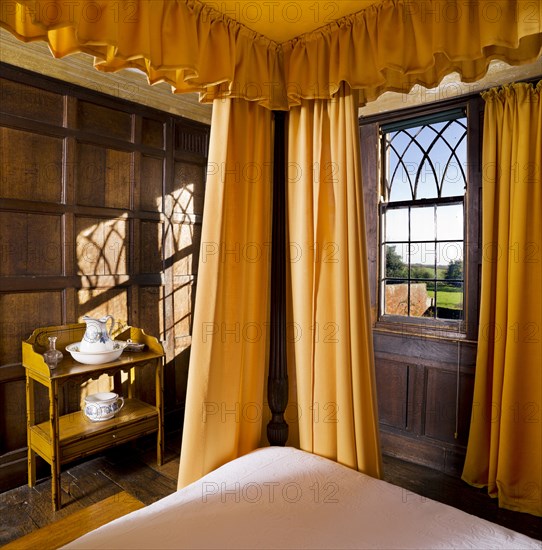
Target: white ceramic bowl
x=102 y=406
x=97 y=357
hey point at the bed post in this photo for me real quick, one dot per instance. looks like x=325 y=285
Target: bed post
x=277 y=382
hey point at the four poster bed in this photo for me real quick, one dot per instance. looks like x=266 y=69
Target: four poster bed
x=282 y=497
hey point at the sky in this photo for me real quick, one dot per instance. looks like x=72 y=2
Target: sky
x=406 y=165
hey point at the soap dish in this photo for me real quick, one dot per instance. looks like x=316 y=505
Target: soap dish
x=133 y=346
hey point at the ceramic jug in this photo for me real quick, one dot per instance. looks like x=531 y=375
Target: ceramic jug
x=97 y=338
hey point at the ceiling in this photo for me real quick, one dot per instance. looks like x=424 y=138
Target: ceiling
x=282 y=20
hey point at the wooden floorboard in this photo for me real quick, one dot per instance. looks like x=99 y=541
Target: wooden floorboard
x=433 y=484
x=137 y=478
x=69 y=528
x=133 y=470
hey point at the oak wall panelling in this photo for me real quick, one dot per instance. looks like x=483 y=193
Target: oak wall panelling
x=101 y=202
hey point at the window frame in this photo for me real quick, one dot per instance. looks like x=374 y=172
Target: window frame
x=384 y=207
x=467 y=328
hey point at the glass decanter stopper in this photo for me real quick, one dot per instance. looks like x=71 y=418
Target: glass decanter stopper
x=52 y=356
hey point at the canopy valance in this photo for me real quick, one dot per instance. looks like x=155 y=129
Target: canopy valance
x=391 y=45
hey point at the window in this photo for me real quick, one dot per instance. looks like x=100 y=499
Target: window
x=422 y=217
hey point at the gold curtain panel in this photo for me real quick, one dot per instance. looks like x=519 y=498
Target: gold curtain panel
x=505 y=442
x=390 y=45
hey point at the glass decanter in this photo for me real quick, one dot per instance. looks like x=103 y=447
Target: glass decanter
x=52 y=356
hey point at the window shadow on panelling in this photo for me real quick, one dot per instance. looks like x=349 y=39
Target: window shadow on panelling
x=101 y=249
x=184 y=205
x=150 y=257
x=151 y=184
x=101 y=252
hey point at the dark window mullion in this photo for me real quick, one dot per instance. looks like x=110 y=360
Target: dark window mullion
x=435 y=263
x=453 y=154
x=400 y=162
x=426 y=156
x=409 y=262
x=457 y=199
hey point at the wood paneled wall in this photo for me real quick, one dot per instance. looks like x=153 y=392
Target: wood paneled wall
x=101 y=202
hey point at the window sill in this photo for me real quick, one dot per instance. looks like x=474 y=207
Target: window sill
x=422 y=328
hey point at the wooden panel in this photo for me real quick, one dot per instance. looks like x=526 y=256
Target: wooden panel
x=30 y=161
x=416 y=399
x=14 y=473
x=150 y=310
x=103 y=121
x=392 y=392
x=413 y=449
x=103 y=176
x=22 y=313
x=152 y=133
x=182 y=361
x=101 y=246
x=36 y=104
x=187 y=241
x=151 y=247
x=151 y=184
x=13 y=416
x=191 y=137
x=441 y=407
x=183 y=302
x=98 y=302
x=430 y=352
x=30 y=244
x=188 y=190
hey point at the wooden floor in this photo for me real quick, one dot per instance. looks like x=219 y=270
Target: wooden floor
x=134 y=471
x=127 y=469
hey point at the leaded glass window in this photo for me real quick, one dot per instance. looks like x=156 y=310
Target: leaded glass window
x=422 y=214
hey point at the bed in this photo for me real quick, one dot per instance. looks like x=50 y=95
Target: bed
x=281 y=497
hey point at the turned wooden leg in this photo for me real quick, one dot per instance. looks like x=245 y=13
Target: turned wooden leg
x=55 y=454
x=160 y=408
x=30 y=420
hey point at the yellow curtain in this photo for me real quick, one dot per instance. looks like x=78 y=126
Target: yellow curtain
x=394 y=44
x=186 y=43
x=391 y=45
x=225 y=395
x=504 y=450
x=331 y=325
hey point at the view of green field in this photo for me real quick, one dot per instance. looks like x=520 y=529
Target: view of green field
x=444 y=283
x=449 y=297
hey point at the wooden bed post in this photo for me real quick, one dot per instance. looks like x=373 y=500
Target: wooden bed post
x=277 y=382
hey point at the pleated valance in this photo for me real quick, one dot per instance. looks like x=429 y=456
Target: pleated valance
x=391 y=45
x=185 y=43
x=395 y=44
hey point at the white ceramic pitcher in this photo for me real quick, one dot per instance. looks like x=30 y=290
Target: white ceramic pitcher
x=97 y=337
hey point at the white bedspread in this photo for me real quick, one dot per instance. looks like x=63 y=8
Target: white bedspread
x=285 y=498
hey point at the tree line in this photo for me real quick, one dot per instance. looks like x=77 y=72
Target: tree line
x=397 y=269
